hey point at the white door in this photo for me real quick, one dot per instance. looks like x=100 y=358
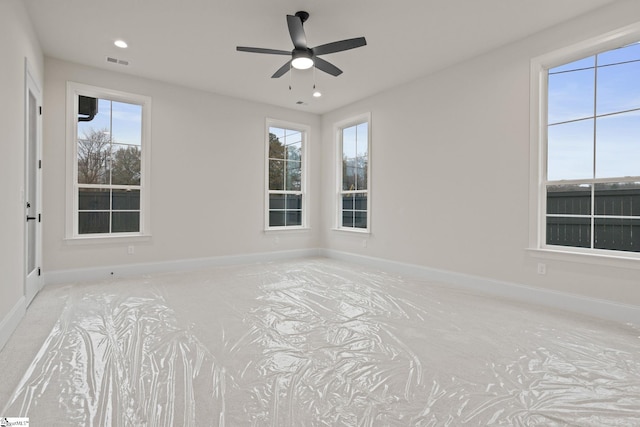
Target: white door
x=33 y=185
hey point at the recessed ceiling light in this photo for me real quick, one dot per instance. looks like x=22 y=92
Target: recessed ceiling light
x=121 y=43
x=317 y=94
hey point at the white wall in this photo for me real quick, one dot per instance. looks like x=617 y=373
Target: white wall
x=207 y=175
x=450 y=170
x=17 y=42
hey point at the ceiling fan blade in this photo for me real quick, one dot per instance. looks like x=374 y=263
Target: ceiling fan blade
x=339 y=46
x=262 y=50
x=296 y=31
x=327 y=67
x=282 y=70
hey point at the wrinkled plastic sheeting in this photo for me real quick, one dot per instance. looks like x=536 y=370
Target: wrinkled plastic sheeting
x=322 y=343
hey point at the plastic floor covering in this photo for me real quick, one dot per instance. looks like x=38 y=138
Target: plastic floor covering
x=318 y=342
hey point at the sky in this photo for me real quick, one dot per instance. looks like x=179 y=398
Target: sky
x=603 y=102
x=122 y=120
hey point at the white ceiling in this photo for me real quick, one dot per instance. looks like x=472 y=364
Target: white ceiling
x=192 y=42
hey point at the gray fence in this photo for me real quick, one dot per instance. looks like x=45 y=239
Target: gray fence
x=622 y=234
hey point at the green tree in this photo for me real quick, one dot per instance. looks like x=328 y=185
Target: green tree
x=276 y=163
x=125 y=166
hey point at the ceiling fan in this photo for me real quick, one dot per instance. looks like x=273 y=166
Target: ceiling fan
x=302 y=56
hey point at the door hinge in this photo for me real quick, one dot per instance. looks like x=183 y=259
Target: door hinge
x=40 y=110
x=39 y=272
x=39 y=217
x=39 y=164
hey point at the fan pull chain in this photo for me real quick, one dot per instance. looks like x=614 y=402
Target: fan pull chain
x=316 y=93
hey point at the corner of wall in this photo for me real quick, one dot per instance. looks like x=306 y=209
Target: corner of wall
x=11 y=320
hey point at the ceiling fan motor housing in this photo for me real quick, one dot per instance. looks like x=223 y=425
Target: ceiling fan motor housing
x=303 y=16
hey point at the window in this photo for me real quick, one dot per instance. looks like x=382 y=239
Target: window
x=589 y=193
x=109 y=149
x=286 y=154
x=353 y=192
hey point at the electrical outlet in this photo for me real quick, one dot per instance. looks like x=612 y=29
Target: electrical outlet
x=542 y=268
x=364 y=243
x=130 y=250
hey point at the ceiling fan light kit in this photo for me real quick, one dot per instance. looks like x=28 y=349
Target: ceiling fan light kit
x=302 y=60
x=302 y=56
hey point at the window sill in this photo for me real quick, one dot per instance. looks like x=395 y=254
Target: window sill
x=96 y=240
x=617 y=261
x=287 y=230
x=353 y=230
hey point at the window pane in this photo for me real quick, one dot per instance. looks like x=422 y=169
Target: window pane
x=620 y=199
x=347 y=219
x=569 y=199
x=294 y=175
x=576 y=65
x=276 y=147
x=618 y=145
x=125 y=164
x=276 y=174
x=93 y=156
x=104 y=116
x=125 y=222
x=626 y=53
x=360 y=202
x=276 y=201
x=294 y=218
x=294 y=151
x=360 y=219
x=349 y=176
x=94 y=140
x=126 y=124
x=294 y=201
x=278 y=133
x=617 y=234
x=93 y=199
x=348 y=201
x=362 y=134
x=126 y=200
x=361 y=173
x=349 y=148
x=100 y=122
x=618 y=88
x=292 y=136
x=571 y=95
x=574 y=232
x=276 y=218
x=93 y=222
x=570 y=150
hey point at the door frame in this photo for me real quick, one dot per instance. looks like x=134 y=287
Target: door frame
x=32 y=279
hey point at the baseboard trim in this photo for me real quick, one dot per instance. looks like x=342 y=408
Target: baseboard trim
x=128 y=270
x=11 y=321
x=603 y=309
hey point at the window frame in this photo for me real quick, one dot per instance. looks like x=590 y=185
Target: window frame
x=74 y=90
x=305 y=131
x=338 y=132
x=538 y=150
